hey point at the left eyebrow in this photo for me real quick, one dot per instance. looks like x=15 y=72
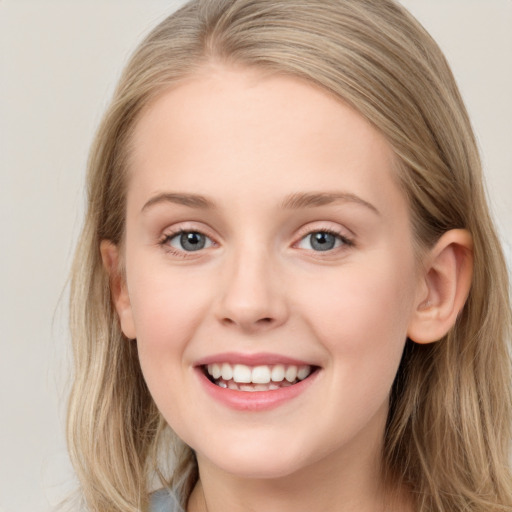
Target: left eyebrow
x=312 y=200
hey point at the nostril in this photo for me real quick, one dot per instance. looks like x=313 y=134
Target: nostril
x=261 y=322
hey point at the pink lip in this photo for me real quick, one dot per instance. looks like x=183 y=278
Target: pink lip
x=254 y=401
x=250 y=359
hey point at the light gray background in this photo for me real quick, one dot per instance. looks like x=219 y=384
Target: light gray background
x=59 y=64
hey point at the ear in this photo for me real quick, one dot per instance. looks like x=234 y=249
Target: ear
x=444 y=287
x=110 y=254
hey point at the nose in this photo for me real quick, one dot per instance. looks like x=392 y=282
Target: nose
x=253 y=297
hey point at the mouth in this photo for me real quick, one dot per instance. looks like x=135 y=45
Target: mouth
x=260 y=378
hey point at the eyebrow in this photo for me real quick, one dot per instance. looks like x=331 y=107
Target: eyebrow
x=190 y=200
x=311 y=200
x=293 y=202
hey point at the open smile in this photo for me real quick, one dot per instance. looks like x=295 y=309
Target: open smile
x=241 y=377
x=255 y=383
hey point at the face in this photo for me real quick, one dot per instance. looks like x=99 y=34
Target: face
x=270 y=273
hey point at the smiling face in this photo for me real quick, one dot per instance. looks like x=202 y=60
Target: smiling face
x=270 y=272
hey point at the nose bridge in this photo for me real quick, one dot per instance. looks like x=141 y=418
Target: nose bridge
x=252 y=296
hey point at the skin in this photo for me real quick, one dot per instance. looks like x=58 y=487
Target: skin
x=247 y=141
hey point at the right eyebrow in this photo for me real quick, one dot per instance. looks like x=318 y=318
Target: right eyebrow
x=190 y=200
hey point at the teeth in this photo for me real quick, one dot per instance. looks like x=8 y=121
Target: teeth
x=233 y=385
x=214 y=370
x=227 y=372
x=303 y=372
x=246 y=387
x=241 y=373
x=278 y=373
x=291 y=373
x=263 y=374
x=262 y=387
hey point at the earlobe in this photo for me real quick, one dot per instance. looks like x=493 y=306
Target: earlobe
x=444 y=287
x=110 y=255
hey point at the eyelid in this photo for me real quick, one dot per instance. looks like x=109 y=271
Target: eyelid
x=333 y=229
x=208 y=241
x=346 y=236
x=327 y=227
x=185 y=227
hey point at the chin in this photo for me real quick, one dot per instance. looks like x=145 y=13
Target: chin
x=266 y=463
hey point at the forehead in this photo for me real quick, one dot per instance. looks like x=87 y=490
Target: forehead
x=233 y=130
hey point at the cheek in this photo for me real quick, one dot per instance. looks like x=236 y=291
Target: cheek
x=362 y=299
x=361 y=319
x=167 y=310
x=166 y=305
x=361 y=313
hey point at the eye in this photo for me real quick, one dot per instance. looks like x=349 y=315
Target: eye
x=188 y=241
x=322 y=241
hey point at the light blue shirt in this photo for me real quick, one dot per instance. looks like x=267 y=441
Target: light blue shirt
x=164 y=500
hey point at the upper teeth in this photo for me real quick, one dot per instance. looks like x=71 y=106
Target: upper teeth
x=258 y=374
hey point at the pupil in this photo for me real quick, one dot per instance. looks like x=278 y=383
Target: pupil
x=322 y=241
x=192 y=241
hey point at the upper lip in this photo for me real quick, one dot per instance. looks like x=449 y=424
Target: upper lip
x=256 y=359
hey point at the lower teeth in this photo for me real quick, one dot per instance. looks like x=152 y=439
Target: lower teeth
x=272 y=386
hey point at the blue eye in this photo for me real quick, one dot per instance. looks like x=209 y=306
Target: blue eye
x=189 y=241
x=322 y=241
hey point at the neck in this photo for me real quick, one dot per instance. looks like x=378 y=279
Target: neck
x=334 y=484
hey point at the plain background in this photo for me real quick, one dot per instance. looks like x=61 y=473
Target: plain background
x=59 y=64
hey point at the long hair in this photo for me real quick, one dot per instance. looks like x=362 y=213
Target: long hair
x=448 y=433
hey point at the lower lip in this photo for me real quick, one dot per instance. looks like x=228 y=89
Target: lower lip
x=256 y=400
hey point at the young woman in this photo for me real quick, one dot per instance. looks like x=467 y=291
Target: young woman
x=288 y=293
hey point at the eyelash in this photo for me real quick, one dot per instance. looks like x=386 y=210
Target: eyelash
x=164 y=242
x=345 y=241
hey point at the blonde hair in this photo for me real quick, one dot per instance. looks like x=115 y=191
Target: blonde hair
x=449 y=426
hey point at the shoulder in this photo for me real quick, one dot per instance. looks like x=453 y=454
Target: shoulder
x=164 y=500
